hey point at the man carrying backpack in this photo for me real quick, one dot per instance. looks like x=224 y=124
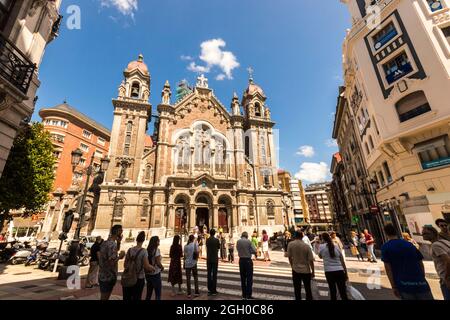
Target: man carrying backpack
x=440 y=252
x=133 y=277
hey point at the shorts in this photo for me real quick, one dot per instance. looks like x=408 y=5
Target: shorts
x=107 y=286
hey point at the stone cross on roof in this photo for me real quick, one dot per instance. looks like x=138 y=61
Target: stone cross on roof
x=202 y=82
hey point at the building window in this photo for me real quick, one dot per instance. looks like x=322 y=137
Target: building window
x=266 y=179
x=412 y=105
x=384 y=36
x=118 y=211
x=135 y=90
x=87 y=134
x=262 y=144
x=5 y=9
x=387 y=172
x=381 y=179
x=251 y=210
x=77 y=176
x=270 y=207
x=56 y=123
x=57 y=154
x=126 y=150
x=57 y=137
x=84 y=147
x=258 y=111
x=397 y=68
x=98 y=154
x=82 y=162
x=101 y=141
x=247 y=147
x=372 y=146
x=446 y=32
x=145 y=208
x=434 y=153
x=435 y=5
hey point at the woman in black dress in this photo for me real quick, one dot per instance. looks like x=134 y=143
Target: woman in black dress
x=175 y=273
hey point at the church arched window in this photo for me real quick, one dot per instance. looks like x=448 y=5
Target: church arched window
x=247 y=146
x=118 y=210
x=258 y=110
x=135 y=90
x=270 y=207
x=127 y=144
x=145 y=208
x=251 y=210
x=262 y=143
x=220 y=156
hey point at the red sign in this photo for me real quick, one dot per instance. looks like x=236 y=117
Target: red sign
x=374 y=209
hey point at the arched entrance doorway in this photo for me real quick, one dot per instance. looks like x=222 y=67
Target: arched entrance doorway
x=225 y=212
x=202 y=212
x=181 y=213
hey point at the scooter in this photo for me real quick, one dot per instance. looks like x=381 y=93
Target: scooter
x=34 y=257
x=20 y=256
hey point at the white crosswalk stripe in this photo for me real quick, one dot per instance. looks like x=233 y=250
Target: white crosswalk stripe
x=269 y=282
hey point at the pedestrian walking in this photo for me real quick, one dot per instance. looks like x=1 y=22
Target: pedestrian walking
x=212 y=262
x=443 y=225
x=108 y=261
x=337 y=242
x=153 y=278
x=335 y=268
x=200 y=242
x=302 y=263
x=307 y=241
x=355 y=246
x=175 y=273
x=191 y=255
x=286 y=240
x=231 y=248
x=440 y=252
x=223 y=247
x=133 y=277
x=256 y=244
x=92 y=277
x=370 y=243
x=407 y=237
x=245 y=250
x=265 y=245
x=404 y=267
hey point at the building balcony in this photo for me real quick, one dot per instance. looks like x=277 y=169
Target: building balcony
x=15 y=67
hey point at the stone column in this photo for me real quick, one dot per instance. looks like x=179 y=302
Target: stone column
x=215 y=217
x=192 y=217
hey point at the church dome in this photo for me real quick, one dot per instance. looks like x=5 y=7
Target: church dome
x=138 y=64
x=253 y=88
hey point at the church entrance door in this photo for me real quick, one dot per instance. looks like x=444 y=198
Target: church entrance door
x=223 y=220
x=202 y=218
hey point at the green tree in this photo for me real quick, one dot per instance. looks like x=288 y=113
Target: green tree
x=28 y=175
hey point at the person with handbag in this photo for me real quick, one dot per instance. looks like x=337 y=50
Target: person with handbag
x=191 y=255
x=355 y=247
x=133 y=277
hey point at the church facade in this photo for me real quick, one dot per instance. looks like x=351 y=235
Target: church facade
x=205 y=166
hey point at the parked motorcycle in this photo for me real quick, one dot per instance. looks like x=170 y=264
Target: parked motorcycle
x=48 y=259
x=34 y=257
x=9 y=250
x=21 y=256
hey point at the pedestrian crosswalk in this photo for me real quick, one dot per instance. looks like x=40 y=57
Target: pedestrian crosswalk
x=269 y=282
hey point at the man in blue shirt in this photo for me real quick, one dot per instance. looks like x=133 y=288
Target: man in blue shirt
x=404 y=268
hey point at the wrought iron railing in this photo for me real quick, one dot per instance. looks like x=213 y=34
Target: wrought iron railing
x=15 y=67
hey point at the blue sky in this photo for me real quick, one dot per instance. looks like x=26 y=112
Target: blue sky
x=294 y=46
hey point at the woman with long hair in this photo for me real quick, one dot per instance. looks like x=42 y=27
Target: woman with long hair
x=265 y=245
x=335 y=268
x=154 y=278
x=175 y=273
x=406 y=236
x=190 y=265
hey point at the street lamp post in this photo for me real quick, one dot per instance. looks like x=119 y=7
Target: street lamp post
x=371 y=198
x=89 y=171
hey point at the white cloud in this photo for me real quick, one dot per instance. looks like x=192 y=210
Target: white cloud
x=126 y=7
x=331 y=143
x=313 y=172
x=306 y=151
x=197 y=69
x=213 y=55
x=186 y=58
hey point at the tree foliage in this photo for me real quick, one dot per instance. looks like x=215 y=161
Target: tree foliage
x=29 y=172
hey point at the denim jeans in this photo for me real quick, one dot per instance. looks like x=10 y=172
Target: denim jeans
x=370 y=249
x=194 y=272
x=246 y=271
x=417 y=296
x=445 y=292
x=153 y=283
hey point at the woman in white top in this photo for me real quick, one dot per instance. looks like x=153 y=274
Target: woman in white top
x=335 y=268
